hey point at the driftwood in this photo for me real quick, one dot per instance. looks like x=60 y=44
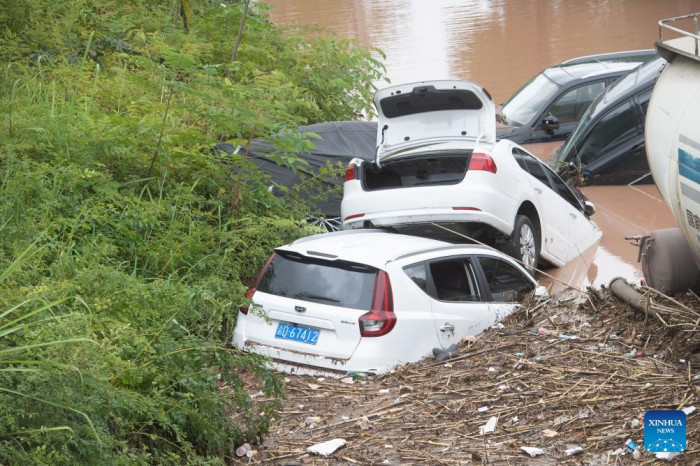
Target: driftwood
x=570 y=378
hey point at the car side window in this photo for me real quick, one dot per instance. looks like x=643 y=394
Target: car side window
x=530 y=164
x=613 y=129
x=643 y=100
x=454 y=280
x=571 y=106
x=418 y=275
x=563 y=189
x=506 y=283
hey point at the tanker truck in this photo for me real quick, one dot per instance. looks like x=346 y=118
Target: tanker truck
x=670 y=258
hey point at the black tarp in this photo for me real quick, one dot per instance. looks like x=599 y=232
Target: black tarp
x=341 y=141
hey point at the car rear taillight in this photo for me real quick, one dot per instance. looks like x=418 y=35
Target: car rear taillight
x=481 y=161
x=380 y=319
x=350 y=217
x=350 y=173
x=251 y=291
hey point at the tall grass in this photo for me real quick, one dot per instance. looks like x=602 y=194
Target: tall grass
x=124 y=241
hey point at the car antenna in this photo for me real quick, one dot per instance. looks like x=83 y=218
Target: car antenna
x=376 y=151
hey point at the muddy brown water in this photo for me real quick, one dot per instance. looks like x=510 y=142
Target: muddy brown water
x=500 y=44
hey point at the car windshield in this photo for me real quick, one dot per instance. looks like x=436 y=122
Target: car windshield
x=522 y=106
x=336 y=283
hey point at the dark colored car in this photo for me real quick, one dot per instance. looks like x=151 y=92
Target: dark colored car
x=548 y=107
x=607 y=146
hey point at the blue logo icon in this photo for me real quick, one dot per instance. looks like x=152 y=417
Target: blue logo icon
x=664 y=431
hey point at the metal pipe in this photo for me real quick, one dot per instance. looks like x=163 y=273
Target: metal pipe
x=626 y=293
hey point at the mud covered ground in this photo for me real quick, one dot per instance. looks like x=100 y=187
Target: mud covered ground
x=572 y=373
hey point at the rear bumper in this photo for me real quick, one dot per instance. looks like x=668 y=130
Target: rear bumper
x=433 y=215
x=363 y=361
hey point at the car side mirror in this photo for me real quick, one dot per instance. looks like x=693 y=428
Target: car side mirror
x=550 y=123
x=588 y=208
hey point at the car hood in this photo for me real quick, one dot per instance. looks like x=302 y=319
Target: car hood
x=429 y=112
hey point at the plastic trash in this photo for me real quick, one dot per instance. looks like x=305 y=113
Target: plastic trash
x=666 y=455
x=327 y=448
x=243 y=450
x=541 y=292
x=483 y=409
x=540 y=331
x=631 y=354
x=445 y=354
x=532 y=451
x=489 y=427
x=635 y=423
x=631 y=445
x=689 y=410
x=619 y=452
x=573 y=450
x=550 y=433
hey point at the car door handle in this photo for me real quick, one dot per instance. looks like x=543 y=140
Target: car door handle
x=447 y=327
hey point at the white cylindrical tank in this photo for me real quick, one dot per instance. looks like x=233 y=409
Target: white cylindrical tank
x=673 y=134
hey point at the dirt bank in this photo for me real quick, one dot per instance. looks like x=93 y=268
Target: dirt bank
x=557 y=375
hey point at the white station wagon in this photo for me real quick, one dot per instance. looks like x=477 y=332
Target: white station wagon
x=438 y=164
x=367 y=300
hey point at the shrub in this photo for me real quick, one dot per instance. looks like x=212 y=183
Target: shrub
x=125 y=242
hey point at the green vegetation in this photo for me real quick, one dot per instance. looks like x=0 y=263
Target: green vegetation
x=125 y=242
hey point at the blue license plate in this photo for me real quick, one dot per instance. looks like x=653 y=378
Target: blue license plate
x=298 y=333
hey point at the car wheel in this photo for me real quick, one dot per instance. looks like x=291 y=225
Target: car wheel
x=523 y=244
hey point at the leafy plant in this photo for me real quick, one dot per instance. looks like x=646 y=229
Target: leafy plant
x=126 y=240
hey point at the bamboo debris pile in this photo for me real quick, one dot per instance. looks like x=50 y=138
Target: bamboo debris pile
x=565 y=381
x=673 y=313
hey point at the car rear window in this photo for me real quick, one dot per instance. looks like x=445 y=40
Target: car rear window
x=336 y=283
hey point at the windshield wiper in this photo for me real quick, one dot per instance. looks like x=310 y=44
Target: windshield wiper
x=306 y=294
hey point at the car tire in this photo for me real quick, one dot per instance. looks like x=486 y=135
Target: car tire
x=524 y=244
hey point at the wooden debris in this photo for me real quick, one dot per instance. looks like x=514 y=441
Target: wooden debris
x=563 y=396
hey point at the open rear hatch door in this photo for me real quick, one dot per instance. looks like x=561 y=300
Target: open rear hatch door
x=430 y=112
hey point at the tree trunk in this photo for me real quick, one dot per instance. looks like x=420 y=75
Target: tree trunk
x=238 y=39
x=183 y=13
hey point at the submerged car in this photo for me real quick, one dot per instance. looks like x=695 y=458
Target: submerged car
x=365 y=301
x=548 y=107
x=608 y=146
x=440 y=172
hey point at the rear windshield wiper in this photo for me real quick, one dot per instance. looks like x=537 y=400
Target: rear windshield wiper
x=306 y=294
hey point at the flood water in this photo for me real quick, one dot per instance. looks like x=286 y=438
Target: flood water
x=500 y=44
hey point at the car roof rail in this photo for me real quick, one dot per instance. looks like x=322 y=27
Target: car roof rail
x=629 y=55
